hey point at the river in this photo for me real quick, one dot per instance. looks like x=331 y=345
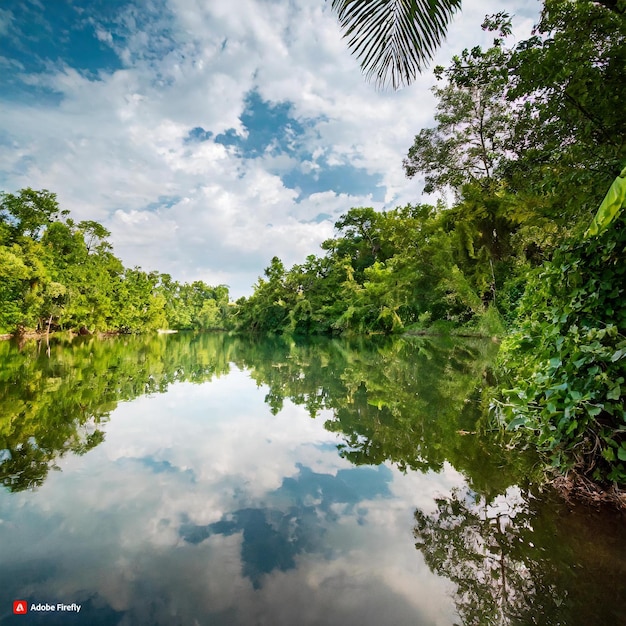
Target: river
x=205 y=479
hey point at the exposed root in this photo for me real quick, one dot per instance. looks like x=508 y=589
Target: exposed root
x=578 y=488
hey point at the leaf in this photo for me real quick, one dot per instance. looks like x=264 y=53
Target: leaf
x=394 y=39
x=594 y=409
x=614 y=393
x=609 y=455
x=618 y=355
x=515 y=423
x=612 y=204
x=555 y=362
x=621 y=453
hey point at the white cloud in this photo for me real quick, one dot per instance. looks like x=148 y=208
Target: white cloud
x=115 y=144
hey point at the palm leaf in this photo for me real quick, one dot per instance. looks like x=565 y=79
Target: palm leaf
x=394 y=39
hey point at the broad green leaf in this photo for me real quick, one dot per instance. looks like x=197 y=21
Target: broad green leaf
x=614 y=394
x=520 y=420
x=613 y=203
x=618 y=355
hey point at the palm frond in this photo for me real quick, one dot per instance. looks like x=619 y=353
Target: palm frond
x=394 y=39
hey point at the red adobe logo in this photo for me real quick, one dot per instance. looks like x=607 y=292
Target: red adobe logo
x=20 y=607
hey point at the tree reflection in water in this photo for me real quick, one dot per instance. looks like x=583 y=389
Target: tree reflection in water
x=514 y=557
x=519 y=559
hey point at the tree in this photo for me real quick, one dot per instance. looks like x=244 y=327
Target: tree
x=394 y=39
x=569 y=138
x=29 y=212
x=473 y=119
x=14 y=276
x=359 y=240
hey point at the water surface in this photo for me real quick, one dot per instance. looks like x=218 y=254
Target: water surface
x=202 y=479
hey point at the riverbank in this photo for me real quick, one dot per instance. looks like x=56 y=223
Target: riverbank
x=576 y=488
x=70 y=334
x=30 y=335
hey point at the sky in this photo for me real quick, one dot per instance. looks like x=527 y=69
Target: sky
x=209 y=135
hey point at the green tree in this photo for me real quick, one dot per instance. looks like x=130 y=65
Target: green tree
x=267 y=309
x=29 y=212
x=14 y=274
x=570 y=133
x=474 y=120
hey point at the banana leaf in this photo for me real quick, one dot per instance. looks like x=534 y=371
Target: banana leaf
x=613 y=203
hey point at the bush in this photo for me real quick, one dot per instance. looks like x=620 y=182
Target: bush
x=566 y=361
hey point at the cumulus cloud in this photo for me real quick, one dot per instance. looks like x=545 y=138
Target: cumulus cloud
x=113 y=142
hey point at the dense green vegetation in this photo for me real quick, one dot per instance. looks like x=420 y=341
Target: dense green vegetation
x=528 y=138
x=57 y=274
x=567 y=358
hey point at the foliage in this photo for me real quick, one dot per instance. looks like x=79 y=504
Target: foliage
x=569 y=140
x=56 y=274
x=394 y=39
x=382 y=273
x=473 y=119
x=28 y=213
x=528 y=137
x=542 y=119
x=567 y=361
x=612 y=205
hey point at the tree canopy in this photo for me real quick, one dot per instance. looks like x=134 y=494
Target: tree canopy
x=57 y=274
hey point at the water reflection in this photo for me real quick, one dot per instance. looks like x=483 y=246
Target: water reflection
x=273 y=536
x=405 y=402
x=519 y=559
x=57 y=401
x=196 y=488
x=201 y=506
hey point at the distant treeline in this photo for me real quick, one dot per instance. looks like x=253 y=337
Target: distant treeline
x=56 y=274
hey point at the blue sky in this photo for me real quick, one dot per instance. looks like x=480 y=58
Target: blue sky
x=207 y=135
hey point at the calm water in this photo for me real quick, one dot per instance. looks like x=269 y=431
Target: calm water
x=201 y=479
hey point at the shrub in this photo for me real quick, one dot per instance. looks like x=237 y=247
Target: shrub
x=566 y=362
